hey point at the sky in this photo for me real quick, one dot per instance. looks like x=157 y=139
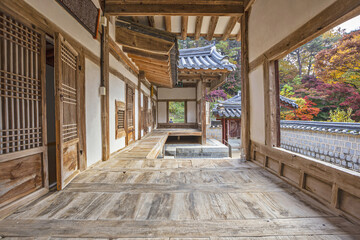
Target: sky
x=351 y=25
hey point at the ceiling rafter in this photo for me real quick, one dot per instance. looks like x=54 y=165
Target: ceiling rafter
x=167 y=23
x=198 y=24
x=184 y=27
x=212 y=25
x=229 y=27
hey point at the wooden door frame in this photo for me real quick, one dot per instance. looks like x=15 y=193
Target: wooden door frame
x=61 y=182
x=127 y=86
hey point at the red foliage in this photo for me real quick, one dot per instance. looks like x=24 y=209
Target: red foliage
x=306 y=112
x=330 y=96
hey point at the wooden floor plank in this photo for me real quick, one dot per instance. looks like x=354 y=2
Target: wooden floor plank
x=131 y=197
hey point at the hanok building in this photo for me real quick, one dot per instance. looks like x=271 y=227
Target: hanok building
x=229 y=113
x=200 y=70
x=83 y=85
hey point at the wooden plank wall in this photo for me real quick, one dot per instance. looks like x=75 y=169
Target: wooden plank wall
x=334 y=186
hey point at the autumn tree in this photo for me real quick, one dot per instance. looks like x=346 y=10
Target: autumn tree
x=341 y=63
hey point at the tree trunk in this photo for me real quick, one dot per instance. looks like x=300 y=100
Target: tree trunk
x=298 y=55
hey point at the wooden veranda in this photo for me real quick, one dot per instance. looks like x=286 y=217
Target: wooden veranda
x=132 y=197
x=85 y=88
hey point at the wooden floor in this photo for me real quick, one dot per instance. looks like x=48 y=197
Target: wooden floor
x=138 y=198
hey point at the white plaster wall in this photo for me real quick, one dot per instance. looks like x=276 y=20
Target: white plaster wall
x=191 y=112
x=136 y=102
x=93 y=112
x=162 y=112
x=116 y=92
x=257 y=114
x=59 y=16
x=145 y=89
x=272 y=21
x=176 y=93
x=113 y=62
x=198 y=89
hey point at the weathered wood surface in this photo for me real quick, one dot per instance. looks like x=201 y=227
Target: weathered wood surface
x=133 y=197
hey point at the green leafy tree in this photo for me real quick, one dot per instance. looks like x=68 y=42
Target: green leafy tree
x=340 y=115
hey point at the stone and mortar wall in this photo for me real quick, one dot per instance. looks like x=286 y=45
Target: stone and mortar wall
x=338 y=148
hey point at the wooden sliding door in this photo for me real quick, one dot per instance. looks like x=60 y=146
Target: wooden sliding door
x=67 y=111
x=130 y=115
x=23 y=155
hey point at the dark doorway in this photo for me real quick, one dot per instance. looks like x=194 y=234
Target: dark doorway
x=50 y=110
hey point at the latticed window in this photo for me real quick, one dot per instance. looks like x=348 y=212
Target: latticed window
x=20 y=86
x=130 y=107
x=120 y=119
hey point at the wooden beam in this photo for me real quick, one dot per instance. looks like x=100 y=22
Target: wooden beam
x=184 y=27
x=135 y=19
x=167 y=23
x=204 y=70
x=148 y=60
x=238 y=36
x=142 y=42
x=151 y=21
x=229 y=27
x=336 y=13
x=144 y=54
x=198 y=24
x=122 y=55
x=245 y=98
x=248 y=4
x=163 y=69
x=212 y=25
x=175 y=8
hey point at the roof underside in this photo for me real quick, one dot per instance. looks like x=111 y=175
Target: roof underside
x=157 y=56
x=185 y=18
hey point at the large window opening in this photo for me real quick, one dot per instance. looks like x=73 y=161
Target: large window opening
x=319 y=86
x=176 y=112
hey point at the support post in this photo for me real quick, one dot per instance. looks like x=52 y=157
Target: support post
x=141 y=78
x=105 y=139
x=223 y=130
x=245 y=98
x=203 y=113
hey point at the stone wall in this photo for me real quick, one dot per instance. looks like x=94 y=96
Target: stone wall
x=342 y=149
x=214 y=132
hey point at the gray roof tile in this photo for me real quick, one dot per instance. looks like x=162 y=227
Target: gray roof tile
x=204 y=58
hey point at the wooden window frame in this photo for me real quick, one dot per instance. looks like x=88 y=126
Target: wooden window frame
x=120 y=132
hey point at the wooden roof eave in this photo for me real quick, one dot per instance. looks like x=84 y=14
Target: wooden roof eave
x=152 y=50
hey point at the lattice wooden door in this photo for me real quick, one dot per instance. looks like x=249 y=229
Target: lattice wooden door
x=130 y=136
x=23 y=155
x=66 y=111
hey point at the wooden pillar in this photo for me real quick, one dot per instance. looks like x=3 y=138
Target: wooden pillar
x=223 y=130
x=227 y=130
x=245 y=98
x=141 y=78
x=203 y=113
x=105 y=139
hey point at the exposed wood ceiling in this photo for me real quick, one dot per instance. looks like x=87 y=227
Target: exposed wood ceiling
x=186 y=18
x=209 y=27
x=174 y=7
x=153 y=51
x=210 y=19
